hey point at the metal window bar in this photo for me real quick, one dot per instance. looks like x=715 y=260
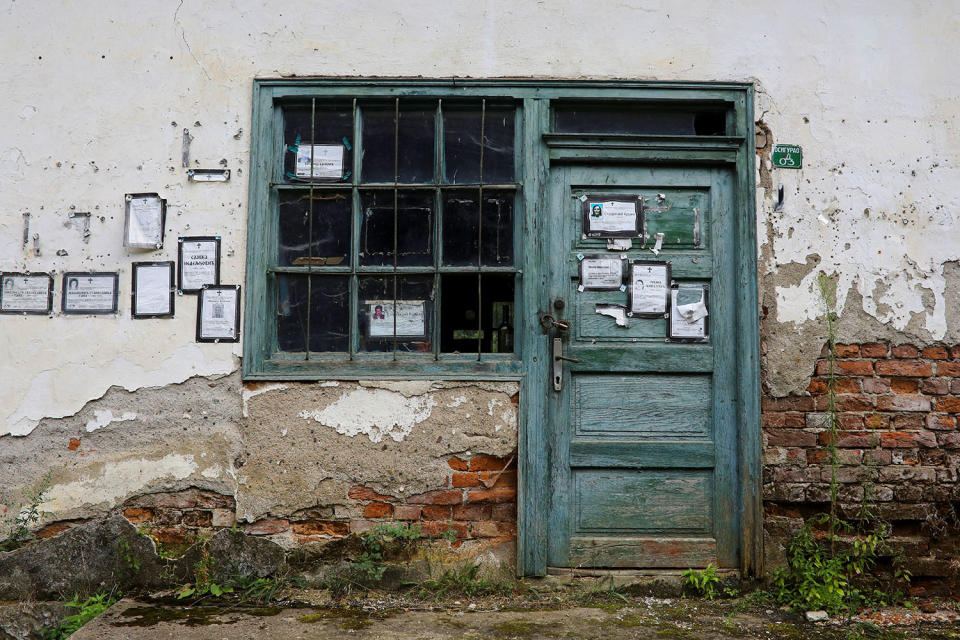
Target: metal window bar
x=438 y=178
x=353 y=302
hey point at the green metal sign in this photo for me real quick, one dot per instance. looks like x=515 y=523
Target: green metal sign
x=787 y=156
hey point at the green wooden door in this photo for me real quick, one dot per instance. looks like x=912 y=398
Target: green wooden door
x=642 y=435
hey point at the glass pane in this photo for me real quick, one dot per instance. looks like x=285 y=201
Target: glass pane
x=414 y=228
x=327 y=328
x=460 y=325
x=497 y=231
x=415 y=161
x=333 y=127
x=461 y=217
x=330 y=241
x=638 y=120
x=461 y=138
x=412 y=323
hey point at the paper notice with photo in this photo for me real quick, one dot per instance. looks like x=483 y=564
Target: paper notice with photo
x=613 y=216
x=410 y=318
x=152 y=289
x=648 y=288
x=90 y=293
x=327 y=161
x=218 y=313
x=25 y=293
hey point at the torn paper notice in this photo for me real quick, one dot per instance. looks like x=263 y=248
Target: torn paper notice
x=689 y=313
x=658 y=245
x=619 y=244
x=616 y=311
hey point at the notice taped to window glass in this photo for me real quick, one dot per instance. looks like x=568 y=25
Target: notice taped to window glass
x=144 y=221
x=199 y=263
x=605 y=217
x=218 y=314
x=689 y=313
x=411 y=318
x=153 y=289
x=601 y=272
x=90 y=292
x=327 y=161
x=648 y=287
x=21 y=293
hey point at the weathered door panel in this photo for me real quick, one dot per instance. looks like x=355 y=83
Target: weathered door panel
x=643 y=451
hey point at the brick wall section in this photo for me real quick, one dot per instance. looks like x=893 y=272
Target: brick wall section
x=898 y=407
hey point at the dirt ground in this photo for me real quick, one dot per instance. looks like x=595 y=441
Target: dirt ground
x=532 y=616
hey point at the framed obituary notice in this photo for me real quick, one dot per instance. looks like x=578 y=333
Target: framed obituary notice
x=218 y=313
x=153 y=290
x=89 y=293
x=601 y=272
x=199 y=263
x=26 y=293
x=145 y=215
x=614 y=216
x=410 y=320
x=689 y=319
x=320 y=161
x=648 y=288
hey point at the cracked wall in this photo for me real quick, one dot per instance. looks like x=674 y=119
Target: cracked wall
x=870 y=98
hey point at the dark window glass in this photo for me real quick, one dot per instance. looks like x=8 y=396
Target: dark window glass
x=466 y=325
x=462 y=133
x=332 y=126
x=318 y=317
x=637 y=120
x=414 y=225
x=461 y=219
x=412 y=324
x=415 y=160
x=328 y=243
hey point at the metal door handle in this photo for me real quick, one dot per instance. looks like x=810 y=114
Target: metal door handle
x=565 y=358
x=558 y=359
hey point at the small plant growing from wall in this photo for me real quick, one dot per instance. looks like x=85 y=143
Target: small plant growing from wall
x=830 y=560
x=18 y=532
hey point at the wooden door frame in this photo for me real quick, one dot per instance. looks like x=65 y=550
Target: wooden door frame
x=543 y=149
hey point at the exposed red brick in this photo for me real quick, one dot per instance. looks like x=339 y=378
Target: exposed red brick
x=904 y=351
x=378 y=510
x=168 y=516
x=876 y=385
x=51 y=530
x=950 y=369
x=267 y=527
x=941 y=422
x=906 y=369
x=458 y=465
x=505 y=479
x=466 y=480
x=437 y=529
x=951 y=404
x=472 y=512
x=904 y=385
x=137 y=516
x=321 y=528
x=406 y=512
x=198 y=518
x=791 y=438
x=850 y=422
x=212 y=500
x=442 y=496
x=851 y=440
x=789 y=403
x=504 y=512
x=949 y=440
x=935 y=353
x=846 y=385
x=847 y=350
x=180 y=500
x=484 y=530
x=903 y=403
x=366 y=493
x=794 y=419
x=507 y=529
x=500 y=494
x=436 y=512
x=906 y=422
x=876 y=421
x=487 y=463
x=898 y=439
x=873 y=350
x=955 y=352
x=854 y=403
x=771 y=419
x=852 y=367
x=74 y=444
x=172 y=535
x=935 y=386
x=817 y=386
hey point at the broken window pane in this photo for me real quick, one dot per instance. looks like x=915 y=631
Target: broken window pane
x=319 y=318
x=461 y=219
x=463 y=320
x=328 y=243
x=414 y=227
x=462 y=131
x=415 y=160
x=333 y=125
x=497 y=231
x=406 y=313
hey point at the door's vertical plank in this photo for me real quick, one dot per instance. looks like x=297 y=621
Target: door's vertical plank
x=748 y=345
x=723 y=336
x=533 y=496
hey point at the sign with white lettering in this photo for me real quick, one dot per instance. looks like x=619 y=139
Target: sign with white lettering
x=787 y=156
x=199 y=263
x=26 y=293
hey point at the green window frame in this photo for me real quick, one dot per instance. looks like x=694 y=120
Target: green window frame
x=545 y=120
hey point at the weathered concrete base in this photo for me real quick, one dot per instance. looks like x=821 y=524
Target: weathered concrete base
x=28 y=620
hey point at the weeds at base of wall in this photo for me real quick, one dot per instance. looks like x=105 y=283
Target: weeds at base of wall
x=18 y=532
x=830 y=561
x=86 y=611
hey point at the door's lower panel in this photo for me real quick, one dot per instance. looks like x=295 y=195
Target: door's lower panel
x=647 y=552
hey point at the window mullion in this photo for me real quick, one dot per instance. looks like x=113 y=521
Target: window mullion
x=313 y=142
x=396 y=180
x=483 y=123
x=439 y=173
x=355 y=218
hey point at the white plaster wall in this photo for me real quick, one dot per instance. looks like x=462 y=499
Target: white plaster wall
x=97 y=93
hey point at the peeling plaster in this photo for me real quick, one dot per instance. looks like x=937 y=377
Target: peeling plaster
x=250 y=391
x=105 y=417
x=375 y=413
